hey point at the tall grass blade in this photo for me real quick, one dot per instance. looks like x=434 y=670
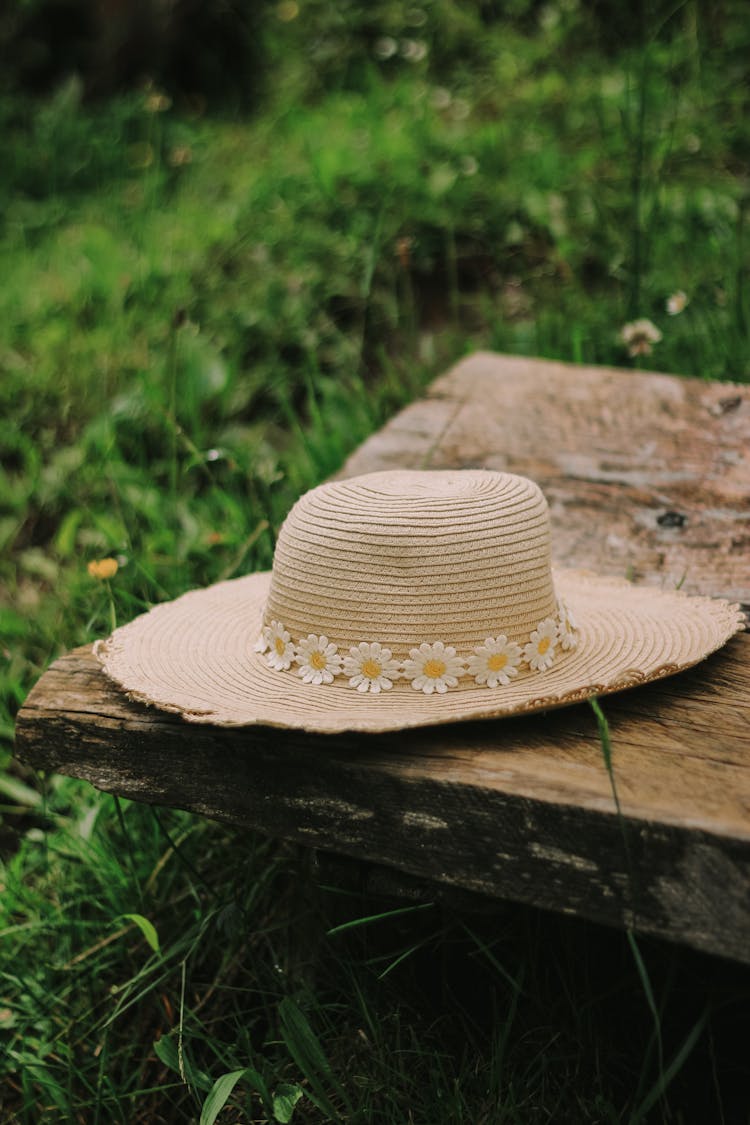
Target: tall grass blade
x=397 y=961
x=304 y=1047
x=650 y=999
x=378 y=917
x=660 y=1087
x=606 y=745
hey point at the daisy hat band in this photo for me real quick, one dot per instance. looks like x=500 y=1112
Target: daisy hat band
x=408 y=598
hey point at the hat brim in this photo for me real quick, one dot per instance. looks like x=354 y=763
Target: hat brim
x=195 y=656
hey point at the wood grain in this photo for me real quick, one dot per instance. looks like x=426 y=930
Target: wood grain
x=521 y=809
x=647 y=475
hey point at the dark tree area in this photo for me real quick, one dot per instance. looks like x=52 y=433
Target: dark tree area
x=222 y=51
x=193 y=48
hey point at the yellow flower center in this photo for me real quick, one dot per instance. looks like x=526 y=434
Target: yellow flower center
x=279 y=645
x=102 y=568
x=497 y=661
x=434 y=669
x=317 y=660
x=544 y=645
x=371 y=669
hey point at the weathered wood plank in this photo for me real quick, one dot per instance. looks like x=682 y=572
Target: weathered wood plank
x=647 y=475
x=521 y=809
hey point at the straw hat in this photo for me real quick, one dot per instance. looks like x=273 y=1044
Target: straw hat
x=402 y=599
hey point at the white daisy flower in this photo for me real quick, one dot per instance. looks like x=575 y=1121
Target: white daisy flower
x=261 y=645
x=495 y=662
x=540 y=651
x=318 y=660
x=433 y=668
x=279 y=646
x=371 y=667
x=567 y=627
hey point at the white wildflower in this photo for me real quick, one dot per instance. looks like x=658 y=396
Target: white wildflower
x=677 y=302
x=540 y=651
x=318 y=660
x=495 y=662
x=371 y=667
x=433 y=667
x=280 y=649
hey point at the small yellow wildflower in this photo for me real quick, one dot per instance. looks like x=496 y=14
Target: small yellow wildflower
x=102 y=568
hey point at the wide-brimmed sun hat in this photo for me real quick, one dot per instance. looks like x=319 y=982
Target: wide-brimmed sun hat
x=402 y=599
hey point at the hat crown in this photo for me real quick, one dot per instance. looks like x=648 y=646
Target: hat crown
x=403 y=557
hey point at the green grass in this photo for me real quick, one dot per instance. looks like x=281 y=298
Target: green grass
x=432 y=1011
x=199 y=318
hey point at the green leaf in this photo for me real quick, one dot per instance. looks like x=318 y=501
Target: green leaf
x=222 y=1089
x=147 y=929
x=219 y=1094
x=284 y=1100
x=167 y=1052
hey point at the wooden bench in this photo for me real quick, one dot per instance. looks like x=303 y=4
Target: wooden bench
x=647 y=475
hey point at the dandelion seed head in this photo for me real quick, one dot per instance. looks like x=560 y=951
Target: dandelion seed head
x=639 y=336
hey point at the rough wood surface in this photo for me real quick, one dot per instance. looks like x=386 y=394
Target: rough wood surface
x=521 y=809
x=647 y=475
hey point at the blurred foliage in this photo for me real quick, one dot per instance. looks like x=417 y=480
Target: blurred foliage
x=201 y=314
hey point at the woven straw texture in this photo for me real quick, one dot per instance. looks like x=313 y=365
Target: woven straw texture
x=402 y=558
